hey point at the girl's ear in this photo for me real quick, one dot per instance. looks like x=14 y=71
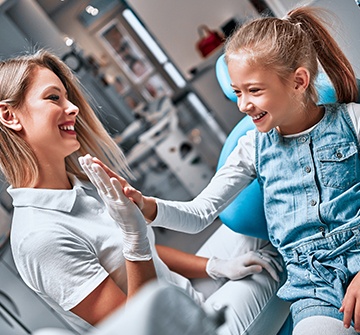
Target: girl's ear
x=8 y=118
x=301 y=79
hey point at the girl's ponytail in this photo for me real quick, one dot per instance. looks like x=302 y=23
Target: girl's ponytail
x=329 y=54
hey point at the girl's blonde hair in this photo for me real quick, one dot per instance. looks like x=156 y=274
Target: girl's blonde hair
x=17 y=160
x=300 y=39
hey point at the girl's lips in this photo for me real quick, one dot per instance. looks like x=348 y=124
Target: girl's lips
x=259 y=116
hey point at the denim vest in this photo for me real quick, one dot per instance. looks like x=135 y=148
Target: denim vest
x=311 y=186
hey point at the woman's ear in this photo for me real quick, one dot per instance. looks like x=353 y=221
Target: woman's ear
x=301 y=79
x=8 y=118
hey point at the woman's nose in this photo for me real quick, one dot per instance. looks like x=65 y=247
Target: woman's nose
x=71 y=108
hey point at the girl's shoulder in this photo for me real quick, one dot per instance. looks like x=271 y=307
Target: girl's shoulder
x=353 y=108
x=354 y=112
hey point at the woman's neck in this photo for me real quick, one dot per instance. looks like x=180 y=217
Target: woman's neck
x=53 y=176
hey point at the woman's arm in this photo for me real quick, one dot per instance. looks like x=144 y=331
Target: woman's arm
x=136 y=247
x=192 y=266
x=188 y=265
x=108 y=297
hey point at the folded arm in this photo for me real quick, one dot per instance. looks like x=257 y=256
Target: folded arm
x=107 y=297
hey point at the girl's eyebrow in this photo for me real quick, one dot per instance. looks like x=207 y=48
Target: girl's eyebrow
x=246 y=84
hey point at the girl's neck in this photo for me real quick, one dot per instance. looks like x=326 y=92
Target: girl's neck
x=308 y=118
x=313 y=116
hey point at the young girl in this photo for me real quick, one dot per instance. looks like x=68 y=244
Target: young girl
x=67 y=248
x=306 y=159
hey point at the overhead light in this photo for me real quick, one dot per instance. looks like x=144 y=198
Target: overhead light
x=144 y=35
x=92 y=10
x=68 y=41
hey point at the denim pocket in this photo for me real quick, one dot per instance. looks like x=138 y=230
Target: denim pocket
x=337 y=164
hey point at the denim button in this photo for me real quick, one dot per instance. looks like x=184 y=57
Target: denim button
x=313 y=202
x=339 y=155
x=307 y=169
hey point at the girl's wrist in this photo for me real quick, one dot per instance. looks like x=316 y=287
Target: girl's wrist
x=149 y=209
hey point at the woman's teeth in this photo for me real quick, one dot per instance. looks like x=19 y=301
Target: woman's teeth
x=67 y=127
x=259 y=116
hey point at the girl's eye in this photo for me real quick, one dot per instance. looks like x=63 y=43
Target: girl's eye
x=254 y=90
x=237 y=92
x=53 y=97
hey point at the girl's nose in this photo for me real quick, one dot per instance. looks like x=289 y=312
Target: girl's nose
x=245 y=105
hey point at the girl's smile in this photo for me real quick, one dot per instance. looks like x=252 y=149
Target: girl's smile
x=271 y=101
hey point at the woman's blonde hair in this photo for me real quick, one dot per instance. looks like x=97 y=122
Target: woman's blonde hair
x=300 y=39
x=17 y=160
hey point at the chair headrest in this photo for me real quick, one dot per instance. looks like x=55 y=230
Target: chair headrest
x=222 y=75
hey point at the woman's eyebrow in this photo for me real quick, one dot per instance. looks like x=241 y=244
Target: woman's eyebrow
x=54 y=87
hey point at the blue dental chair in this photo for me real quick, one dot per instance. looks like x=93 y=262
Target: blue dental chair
x=250 y=200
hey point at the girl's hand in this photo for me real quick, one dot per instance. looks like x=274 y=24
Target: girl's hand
x=147 y=205
x=133 y=194
x=351 y=304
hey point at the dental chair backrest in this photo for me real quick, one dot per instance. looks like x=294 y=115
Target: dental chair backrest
x=245 y=214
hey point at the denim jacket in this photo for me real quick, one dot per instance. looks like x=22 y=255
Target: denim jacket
x=311 y=186
x=311 y=183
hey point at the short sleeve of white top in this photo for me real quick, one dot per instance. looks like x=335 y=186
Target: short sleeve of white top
x=237 y=172
x=65 y=244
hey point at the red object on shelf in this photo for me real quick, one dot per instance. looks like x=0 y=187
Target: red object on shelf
x=209 y=40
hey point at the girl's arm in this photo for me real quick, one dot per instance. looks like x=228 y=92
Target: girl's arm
x=147 y=205
x=195 y=215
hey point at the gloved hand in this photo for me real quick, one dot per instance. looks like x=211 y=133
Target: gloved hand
x=136 y=244
x=244 y=265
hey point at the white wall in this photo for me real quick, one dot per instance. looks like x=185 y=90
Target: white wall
x=174 y=23
x=345 y=26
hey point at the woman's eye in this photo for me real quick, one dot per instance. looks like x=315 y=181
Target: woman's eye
x=53 y=97
x=254 y=90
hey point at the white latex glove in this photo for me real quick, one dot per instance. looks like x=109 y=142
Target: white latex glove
x=132 y=222
x=244 y=265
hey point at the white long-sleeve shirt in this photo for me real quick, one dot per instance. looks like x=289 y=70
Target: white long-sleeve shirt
x=237 y=173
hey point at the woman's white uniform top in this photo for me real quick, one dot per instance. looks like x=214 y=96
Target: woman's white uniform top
x=65 y=244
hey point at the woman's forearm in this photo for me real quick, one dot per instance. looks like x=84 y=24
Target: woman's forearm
x=188 y=265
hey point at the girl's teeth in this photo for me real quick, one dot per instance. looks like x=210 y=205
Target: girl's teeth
x=257 y=117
